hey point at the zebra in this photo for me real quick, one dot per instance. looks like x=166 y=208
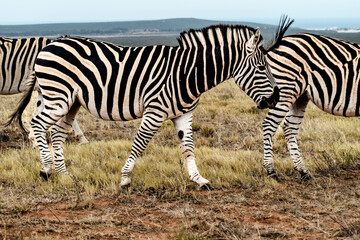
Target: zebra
x=17 y=60
x=155 y=83
x=309 y=67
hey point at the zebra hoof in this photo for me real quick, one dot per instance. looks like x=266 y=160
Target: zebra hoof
x=45 y=175
x=207 y=187
x=274 y=176
x=125 y=187
x=306 y=176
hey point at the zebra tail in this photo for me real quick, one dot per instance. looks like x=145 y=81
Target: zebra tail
x=284 y=24
x=24 y=101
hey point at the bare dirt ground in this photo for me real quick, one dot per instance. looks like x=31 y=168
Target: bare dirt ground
x=303 y=211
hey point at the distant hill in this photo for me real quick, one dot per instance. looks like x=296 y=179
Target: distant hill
x=161 y=31
x=111 y=28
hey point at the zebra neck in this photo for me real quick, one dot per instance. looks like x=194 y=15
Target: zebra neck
x=200 y=69
x=211 y=56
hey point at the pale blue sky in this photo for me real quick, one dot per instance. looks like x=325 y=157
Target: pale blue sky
x=262 y=11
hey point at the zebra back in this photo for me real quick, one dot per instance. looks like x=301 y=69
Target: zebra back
x=117 y=83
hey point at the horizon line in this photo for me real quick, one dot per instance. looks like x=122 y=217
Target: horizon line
x=273 y=21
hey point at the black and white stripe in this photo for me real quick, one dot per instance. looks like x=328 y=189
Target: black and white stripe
x=154 y=83
x=310 y=67
x=17 y=60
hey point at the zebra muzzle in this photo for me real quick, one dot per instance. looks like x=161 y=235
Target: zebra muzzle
x=274 y=98
x=271 y=101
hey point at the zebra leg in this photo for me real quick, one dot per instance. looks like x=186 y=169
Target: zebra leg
x=150 y=124
x=59 y=133
x=78 y=133
x=184 y=131
x=270 y=125
x=40 y=124
x=37 y=136
x=291 y=129
x=39 y=106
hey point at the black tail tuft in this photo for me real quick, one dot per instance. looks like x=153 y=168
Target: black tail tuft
x=284 y=24
x=24 y=101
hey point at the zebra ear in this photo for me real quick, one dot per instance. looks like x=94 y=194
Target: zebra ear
x=253 y=41
x=257 y=36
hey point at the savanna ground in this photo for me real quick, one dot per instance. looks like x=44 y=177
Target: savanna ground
x=162 y=203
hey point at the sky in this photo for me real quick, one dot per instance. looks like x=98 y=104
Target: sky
x=307 y=13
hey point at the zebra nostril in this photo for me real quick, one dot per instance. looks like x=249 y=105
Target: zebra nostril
x=263 y=103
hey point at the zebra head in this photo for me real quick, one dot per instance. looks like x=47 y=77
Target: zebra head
x=255 y=77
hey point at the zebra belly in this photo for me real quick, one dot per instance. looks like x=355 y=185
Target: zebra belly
x=111 y=108
x=11 y=92
x=10 y=87
x=345 y=106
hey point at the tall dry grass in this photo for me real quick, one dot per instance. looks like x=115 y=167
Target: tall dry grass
x=228 y=139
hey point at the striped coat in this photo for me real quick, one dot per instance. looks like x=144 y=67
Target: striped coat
x=154 y=83
x=309 y=67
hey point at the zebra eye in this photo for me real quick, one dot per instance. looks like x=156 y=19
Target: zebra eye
x=261 y=68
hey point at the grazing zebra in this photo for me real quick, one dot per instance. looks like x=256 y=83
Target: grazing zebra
x=310 y=67
x=17 y=60
x=154 y=83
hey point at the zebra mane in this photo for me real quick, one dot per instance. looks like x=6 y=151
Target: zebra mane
x=284 y=24
x=185 y=36
x=3 y=39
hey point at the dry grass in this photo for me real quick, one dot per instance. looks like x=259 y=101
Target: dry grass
x=163 y=203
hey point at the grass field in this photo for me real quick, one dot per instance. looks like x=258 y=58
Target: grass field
x=162 y=203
